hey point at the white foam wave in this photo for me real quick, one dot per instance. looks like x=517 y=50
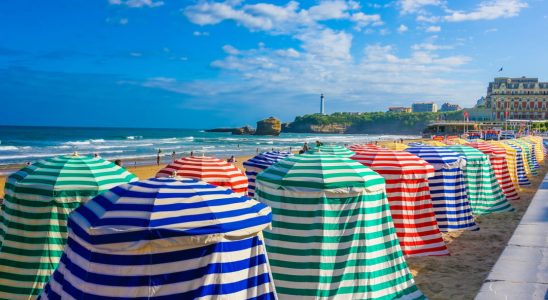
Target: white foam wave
x=8 y=148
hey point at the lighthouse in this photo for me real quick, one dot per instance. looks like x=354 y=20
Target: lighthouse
x=322 y=105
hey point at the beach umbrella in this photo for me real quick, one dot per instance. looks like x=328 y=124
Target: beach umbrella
x=165 y=238
x=483 y=189
x=511 y=161
x=258 y=163
x=521 y=165
x=447 y=188
x=435 y=143
x=394 y=146
x=38 y=200
x=216 y=171
x=417 y=144
x=333 y=149
x=409 y=197
x=497 y=157
x=332 y=233
x=526 y=156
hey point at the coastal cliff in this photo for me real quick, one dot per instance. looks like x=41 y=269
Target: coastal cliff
x=360 y=123
x=269 y=126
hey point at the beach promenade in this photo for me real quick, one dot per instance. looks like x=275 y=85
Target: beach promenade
x=521 y=272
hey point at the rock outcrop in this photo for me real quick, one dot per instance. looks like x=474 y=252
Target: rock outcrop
x=246 y=130
x=269 y=126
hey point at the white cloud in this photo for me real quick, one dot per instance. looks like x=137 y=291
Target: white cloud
x=228 y=49
x=290 y=52
x=433 y=29
x=428 y=19
x=430 y=47
x=137 y=3
x=200 y=33
x=277 y=19
x=489 y=10
x=402 y=28
x=414 y=6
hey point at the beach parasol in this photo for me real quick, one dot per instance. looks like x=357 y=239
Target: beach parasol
x=456 y=141
x=332 y=149
x=483 y=189
x=165 y=238
x=408 y=193
x=209 y=169
x=257 y=164
x=447 y=188
x=332 y=233
x=38 y=200
x=497 y=157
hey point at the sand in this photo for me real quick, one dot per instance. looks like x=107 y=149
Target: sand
x=473 y=253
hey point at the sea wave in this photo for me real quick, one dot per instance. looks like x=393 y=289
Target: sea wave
x=134 y=137
x=8 y=148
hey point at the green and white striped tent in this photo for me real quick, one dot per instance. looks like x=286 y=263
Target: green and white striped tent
x=332 y=232
x=332 y=149
x=33 y=228
x=484 y=192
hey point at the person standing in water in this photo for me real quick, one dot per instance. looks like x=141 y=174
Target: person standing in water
x=173 y=156
x=305 y=147
x=158 y=158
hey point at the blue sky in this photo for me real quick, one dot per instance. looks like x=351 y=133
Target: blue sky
x=197 y=64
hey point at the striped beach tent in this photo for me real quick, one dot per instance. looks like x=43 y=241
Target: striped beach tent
x=511 y=161
x=521 y=164
x=409 y=197
x=435 y=143
x=333 y=149
x=526 y=153
x=539 y=148
x=394 y=146
x=332 y=233
x=497 y=157
x=33 y=228
x=537 y=153
x=532 y=151
x=447 y=188
x=483 y=189
x=359 y=147
x=165 y=238
x=456 y=141
x=417 y=144
x=216 y=171
x=258 y=163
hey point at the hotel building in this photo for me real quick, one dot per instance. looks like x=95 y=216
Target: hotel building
x=518 y=98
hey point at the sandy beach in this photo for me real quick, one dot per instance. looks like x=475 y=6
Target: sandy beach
x=473 y=253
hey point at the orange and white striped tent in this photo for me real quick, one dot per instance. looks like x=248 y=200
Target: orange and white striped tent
x=409 y=197
x=209 y=169
x=394 y=146
x=360 y=147
x=497 y=157
x=511 y=161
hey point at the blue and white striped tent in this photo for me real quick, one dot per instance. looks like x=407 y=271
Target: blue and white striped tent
x=447 y=188
x=257 y=164
x=523 y=180
x=165 y=238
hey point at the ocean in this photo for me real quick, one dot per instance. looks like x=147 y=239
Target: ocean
x=21 y=144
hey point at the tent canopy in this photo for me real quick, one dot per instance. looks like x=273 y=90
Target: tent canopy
x=332 y=149
x=395 y=163
x=209 y=169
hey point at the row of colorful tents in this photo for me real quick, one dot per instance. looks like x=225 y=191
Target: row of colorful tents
x=337 y=222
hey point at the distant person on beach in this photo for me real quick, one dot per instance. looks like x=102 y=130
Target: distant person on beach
x=173 y=156
x=118 y=162
x=376 y=142
x=305 y=147
x=191 y=153
x=96 y=155
x=257 y=150
x=27 y=163
x=232 y=159
x=318 y=144
x=158 y=158
x=401 y=141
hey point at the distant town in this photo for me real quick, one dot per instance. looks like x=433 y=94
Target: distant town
x=521 y=98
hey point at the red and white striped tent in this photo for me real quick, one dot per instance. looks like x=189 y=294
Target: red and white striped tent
x=209 y=169
x=360 y=147
x=497 y=157
x=409 y=197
